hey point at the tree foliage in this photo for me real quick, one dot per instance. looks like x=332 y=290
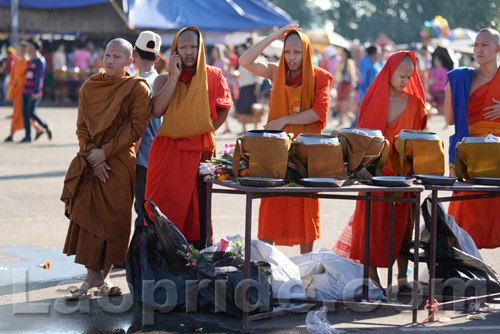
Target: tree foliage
x=400 y=20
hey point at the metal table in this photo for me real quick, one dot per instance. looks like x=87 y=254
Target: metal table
x=483 y=192
x=362 y=192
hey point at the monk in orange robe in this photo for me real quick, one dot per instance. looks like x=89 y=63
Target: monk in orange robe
x=299 y=104
x=194 y=100
x=15 y=92
x=394 y=101
x=472 y=103
x=98 y=192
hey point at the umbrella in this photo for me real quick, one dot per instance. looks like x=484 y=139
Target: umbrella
x=463 y=34
x=323 y=37
x=462 y=40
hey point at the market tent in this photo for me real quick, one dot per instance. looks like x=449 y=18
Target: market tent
x=53 y=4
x=325 y=38
x=99 y=17
x=209 y=16
x=384 y=40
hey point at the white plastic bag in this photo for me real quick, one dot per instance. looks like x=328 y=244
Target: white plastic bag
x=333 y=277
x=317 y=322
x=285 y=275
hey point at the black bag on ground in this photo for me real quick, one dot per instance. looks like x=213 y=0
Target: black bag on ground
x=221 y=282
x=156 y=273
x=451 y=261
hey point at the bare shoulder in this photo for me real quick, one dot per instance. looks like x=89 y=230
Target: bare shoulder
x=159 y=82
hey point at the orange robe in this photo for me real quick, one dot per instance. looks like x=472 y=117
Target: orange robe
x=16 y=85
x=112 y=115
x=292 y=220
x=373 y=116
x=479 y=217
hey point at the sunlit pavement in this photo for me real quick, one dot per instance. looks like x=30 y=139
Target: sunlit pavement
x=33 y=230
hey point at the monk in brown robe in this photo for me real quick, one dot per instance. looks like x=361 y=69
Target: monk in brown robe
x=98 y=189
x=472 y=104
x=299 y=104
x=194 y=100
x=394 y=101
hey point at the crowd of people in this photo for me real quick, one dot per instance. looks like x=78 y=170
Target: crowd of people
x=143 y=132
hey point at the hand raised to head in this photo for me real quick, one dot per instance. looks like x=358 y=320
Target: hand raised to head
x=281 y=34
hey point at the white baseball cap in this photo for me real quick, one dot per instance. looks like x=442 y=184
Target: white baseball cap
x=149 y=41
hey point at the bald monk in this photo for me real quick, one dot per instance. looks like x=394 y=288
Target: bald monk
x=194 y=100
x=98 y=192
x=394 y=101
x=299 y=104
x=472 y=103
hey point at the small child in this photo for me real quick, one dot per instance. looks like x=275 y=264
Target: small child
x=394 y=101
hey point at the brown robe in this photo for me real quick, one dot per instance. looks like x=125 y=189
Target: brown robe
x=112 y=115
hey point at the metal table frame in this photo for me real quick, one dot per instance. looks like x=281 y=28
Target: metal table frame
x=364 y=194
x=486 y=192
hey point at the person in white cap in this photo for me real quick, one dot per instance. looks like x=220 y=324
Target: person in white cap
x=146 y=54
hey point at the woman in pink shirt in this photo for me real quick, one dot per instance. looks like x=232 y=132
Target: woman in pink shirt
x=437 y=83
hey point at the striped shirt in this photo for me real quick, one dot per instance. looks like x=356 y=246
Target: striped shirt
x=35 y=76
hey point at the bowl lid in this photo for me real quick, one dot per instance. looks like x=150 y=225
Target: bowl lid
x=364 y=132
x=415 y=134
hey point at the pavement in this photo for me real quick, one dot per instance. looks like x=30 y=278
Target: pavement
x=33 y=229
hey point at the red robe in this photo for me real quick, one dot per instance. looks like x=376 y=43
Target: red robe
x=373 y=115
x=173 y=164
x=479 y=217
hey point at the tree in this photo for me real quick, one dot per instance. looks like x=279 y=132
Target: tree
x=400 y=20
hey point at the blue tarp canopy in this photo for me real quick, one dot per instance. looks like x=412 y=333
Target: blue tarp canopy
x=53 y=4
x=222 y=16
x=208 y=15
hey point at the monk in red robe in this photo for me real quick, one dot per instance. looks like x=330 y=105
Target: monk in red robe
x=299 y=104
x=394 y=101
x=113 y=113
x=472 y=103
x=194 y=100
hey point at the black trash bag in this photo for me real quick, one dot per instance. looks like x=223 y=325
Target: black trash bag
x=157 y=276
x=170 y=238
x=453 y=266
x=220 y=275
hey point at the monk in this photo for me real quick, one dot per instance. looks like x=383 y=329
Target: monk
x=394 y=101
x=472 y=103
x=15 y=92
x=98 y=192
x=299 y=104
x=194 y=100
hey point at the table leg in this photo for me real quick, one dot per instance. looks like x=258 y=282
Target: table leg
x=366 y=257
x=391 y=245
x=248 y=251
x=416 y=257
x=205 y=208
x=432 y=250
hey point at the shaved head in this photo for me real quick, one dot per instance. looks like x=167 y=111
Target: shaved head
x=495 y=36
x=189 y=32
x=126 y=46
x=406 y=61
x=293 y=37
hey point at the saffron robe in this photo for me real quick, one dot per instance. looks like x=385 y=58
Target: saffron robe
x=173 y=164
x=480 y=218
x=292 y=220
x=373 y=115
x=16 y=86
x=113 y=113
